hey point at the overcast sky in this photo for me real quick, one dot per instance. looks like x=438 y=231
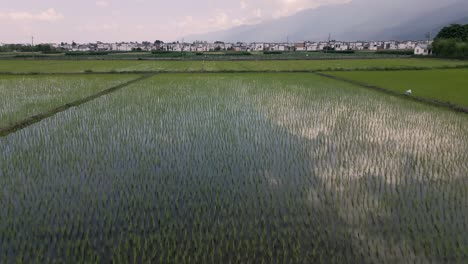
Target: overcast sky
x=134 y=20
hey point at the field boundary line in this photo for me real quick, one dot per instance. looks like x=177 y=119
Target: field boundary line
x=39 y=117
x=203 y=58
x=394 y=93
x=403 y=68
x=156 y=72
x=150 y=72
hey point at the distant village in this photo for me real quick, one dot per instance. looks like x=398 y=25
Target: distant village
x=420 y=47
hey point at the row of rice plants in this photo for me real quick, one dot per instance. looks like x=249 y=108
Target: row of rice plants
x=252 y=168
x=113 y=65
x=25 y=96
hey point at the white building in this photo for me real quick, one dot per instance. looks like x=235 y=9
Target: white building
x=282 y=47
x=103 y=46
x=322 y=45
x=300 y=47
x=274 y=47
x=422 y=50
x=312 y=46
x=258 y=46
x=228 y=46
x=342 y=47
x=82 y=48
x=120 y=47
x=376 y=45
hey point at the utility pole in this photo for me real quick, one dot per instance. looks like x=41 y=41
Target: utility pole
x=428 y=35
x=328 y=43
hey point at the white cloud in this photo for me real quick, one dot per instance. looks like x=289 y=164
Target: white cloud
x=257 y=13
x=289 y=7
x=102 y=3
x=147 y=19
x=98 y=27
x=218 y=21
x=243 y=4
x=49 y=15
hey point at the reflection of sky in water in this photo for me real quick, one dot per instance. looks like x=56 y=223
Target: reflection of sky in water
x=313 y=163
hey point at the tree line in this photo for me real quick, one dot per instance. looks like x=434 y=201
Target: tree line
x=452 y=42
x=44 y=48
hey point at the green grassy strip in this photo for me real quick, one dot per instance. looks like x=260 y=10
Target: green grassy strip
x=443 y=85
x=403 y=68
x=207 y=57
x=94 y=66
x=39 y=117
x=157 y=72
x=393 y=92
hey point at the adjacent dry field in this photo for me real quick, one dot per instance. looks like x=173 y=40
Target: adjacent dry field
x=241 y=168
x=443 y=85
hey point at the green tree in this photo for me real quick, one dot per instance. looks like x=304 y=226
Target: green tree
x=43 y=48
x=454 y=31
x=450 y=48
x=452 y=41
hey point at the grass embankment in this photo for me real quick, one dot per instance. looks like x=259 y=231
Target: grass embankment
x=80 y=66
x=22 y=97
x=447 y=86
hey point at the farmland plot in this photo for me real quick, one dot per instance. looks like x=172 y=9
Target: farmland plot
x=442 y=85
x=80 y=66
x=24 y=96
x=251 y=168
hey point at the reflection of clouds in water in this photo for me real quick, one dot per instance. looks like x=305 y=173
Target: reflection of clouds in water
x=312 y=165
x=360 y=147
x=273 y=182
x=301 y=121
x=386 y=143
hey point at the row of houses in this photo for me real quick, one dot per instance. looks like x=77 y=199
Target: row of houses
x=248 y=47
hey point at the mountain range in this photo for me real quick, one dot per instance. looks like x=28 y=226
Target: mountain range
x=363 y=20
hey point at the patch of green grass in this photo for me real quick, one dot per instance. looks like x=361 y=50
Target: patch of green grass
x=25 y=96
x=78 y=66
x=441 y=85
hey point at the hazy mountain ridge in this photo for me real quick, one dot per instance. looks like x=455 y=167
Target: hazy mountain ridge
x=358 y=20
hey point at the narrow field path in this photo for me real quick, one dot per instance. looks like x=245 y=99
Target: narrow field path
x=381 y=89
x=160 y=72
x=39 y=117
x=207 y=69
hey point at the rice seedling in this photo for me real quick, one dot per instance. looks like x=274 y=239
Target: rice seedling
x=116 y=66
x=254 y=168
x=25 y=96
